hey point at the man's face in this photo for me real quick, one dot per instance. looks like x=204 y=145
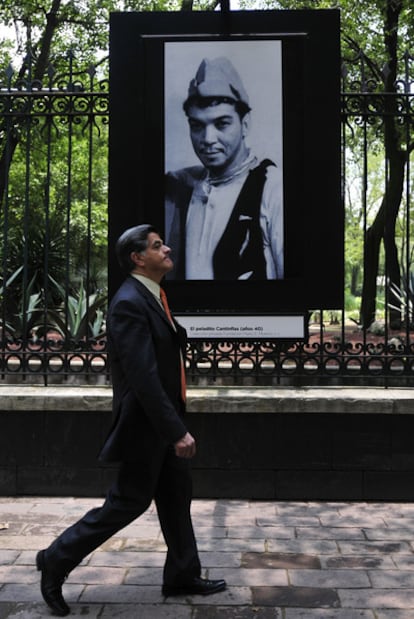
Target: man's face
x=155 y=262
x=217 y=134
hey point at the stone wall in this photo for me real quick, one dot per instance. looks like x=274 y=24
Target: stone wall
x=268 y=443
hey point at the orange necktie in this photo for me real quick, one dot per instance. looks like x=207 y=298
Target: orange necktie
x=164 y=302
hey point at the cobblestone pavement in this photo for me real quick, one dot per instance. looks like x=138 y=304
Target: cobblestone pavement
x=282 y=560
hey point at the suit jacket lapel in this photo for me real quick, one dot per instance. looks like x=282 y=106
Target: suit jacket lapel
x=152 y=301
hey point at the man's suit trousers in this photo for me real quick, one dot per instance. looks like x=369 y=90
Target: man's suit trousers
x=160 y=476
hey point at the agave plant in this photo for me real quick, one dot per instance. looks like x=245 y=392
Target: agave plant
x=403 y=299
x=10 y=280
x=28 y=308
x=81 y=315
x=6 y=326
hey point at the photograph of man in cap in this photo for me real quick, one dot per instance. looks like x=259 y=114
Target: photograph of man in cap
x=224 y=218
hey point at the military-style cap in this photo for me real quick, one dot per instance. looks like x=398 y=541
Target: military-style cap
x=218 y=78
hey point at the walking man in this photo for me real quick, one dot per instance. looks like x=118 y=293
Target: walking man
x=148 y=436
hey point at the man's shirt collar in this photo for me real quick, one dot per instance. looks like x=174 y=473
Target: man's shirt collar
x=152 y=286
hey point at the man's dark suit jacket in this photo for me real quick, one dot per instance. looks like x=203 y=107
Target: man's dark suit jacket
x=144 y=352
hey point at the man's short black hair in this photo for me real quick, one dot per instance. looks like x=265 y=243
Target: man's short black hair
x=203 y=102
x=133 y=239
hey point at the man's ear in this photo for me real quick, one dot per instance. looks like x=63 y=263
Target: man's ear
x=246 y=125
x=137 y=258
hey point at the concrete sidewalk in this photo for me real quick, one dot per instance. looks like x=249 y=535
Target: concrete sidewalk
x=281 y=561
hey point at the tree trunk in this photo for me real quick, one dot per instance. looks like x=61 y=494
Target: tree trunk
x=12 y=138
x=354 y=279
x=383 y=229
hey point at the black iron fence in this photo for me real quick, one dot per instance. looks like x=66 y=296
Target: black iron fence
x=53 y=245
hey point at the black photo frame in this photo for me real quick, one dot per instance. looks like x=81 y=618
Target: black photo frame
x=310 y=117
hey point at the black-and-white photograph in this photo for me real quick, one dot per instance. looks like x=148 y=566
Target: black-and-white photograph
x=224 y=204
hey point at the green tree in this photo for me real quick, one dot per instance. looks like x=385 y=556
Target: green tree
x=44 y=30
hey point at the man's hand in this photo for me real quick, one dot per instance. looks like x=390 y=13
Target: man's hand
x=185 y=447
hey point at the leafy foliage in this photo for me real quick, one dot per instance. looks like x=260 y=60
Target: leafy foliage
x=49 y=231
x=50 y=27
x=80 y=316
x=403 y=297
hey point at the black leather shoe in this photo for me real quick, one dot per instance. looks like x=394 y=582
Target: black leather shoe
x=51 y=587
x=199 y=586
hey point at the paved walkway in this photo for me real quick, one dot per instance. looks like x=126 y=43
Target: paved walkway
x=281 y=561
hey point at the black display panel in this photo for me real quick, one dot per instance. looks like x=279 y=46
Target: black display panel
x=287 y=65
